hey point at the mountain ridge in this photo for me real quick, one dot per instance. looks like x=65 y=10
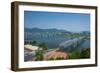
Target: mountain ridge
x=45 y=30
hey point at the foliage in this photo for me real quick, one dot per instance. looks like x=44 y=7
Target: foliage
x=85 y=53
x=80 y=55
x=34 y=42
x=51 y=59
x=39 y=55
x=60 y=58
x=74 y=55
x=26 y=42
x=43 y=46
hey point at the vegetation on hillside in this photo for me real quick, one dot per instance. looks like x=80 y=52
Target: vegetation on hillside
x=39 y=56
x=74 y=54
x=83 y=54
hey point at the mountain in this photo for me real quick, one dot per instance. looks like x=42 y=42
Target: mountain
x=85 y=33
x=40 y=34
x=44 y=30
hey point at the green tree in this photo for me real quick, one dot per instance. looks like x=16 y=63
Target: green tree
x=26 y=42
x=74 y=55
x=85 y=53
x=51 y=59
x=34 y=42
x=60 y=58
x=39 y=55
x=43 y=46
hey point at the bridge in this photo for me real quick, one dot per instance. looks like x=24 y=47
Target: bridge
x=71 y=44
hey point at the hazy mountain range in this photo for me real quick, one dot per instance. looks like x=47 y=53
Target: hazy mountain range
x=38 y=30
x=37 y=33
x=44 y=30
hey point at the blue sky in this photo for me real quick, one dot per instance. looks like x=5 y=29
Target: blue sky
x=74 y=22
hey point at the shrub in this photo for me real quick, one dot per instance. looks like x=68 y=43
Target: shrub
x=39 y=55
x=51 y=59
x=85 y=53
x=43 y=46
x=74 y=55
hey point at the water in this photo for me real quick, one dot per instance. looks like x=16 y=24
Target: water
x=53 y=42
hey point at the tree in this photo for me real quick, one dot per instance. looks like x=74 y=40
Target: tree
x=85 y=53
x=26 y=42
x=74 y=55
x=34 y=43
x=51 y=59
x=39 y=55
x=60 y=58
x=43 y=46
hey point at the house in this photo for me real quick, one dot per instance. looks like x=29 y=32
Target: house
x=30 y=52
x=56 y=55
x=31 y=48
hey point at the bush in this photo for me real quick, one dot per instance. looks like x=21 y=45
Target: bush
x=60 y=58
x=51 y=59
x=80 y=55
x=26 y=42
x=74 y=55
x=85 y=53
x=34 y=42
x=39 y=55
x=43 y=46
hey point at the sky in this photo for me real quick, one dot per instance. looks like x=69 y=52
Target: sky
x=73 y=22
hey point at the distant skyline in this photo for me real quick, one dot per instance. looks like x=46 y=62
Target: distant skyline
x=74 y=22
